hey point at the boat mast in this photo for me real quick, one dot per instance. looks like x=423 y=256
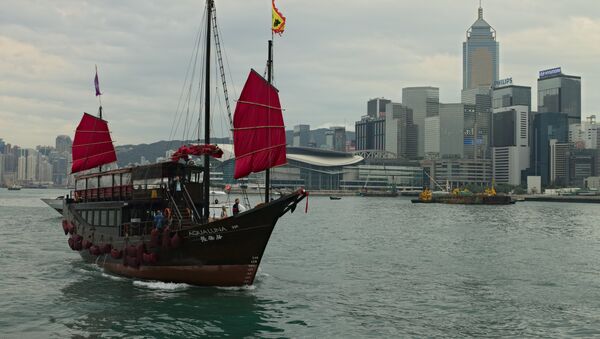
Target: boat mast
x=270 y=80
x=99 y=116
x=206 y=179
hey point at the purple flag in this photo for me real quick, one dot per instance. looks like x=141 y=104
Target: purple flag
x=97 y=84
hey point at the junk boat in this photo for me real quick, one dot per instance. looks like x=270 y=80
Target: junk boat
x=111 y=216
x=464 y=197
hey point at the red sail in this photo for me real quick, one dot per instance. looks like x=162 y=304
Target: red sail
x=258 y=130
x=92 y=146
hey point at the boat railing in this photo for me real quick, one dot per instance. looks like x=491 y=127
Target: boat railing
x=174 y=207
x=140 y=228
x=190 y=205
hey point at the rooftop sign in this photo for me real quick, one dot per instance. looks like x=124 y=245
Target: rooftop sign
x=550 y=72
x=503 y=82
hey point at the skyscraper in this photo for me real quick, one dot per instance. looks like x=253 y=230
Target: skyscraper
x=301 y=136
x=370 y=133
x=424 y=102
x=558 y=92
x=376 y=106
x=480 y=55
x=546 y=126
x=511 y=95
x=510 y=143
x=400 y=132
x=63 y=144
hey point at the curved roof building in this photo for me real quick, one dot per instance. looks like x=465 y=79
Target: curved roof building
x=311 y=168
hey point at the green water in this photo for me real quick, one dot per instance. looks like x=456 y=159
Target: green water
x=358 y=267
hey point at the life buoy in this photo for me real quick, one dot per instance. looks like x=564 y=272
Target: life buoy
x=150 y=258
x=86 y=244
x=154 y=236
x=116 y=254
x=95 y=250
x=131 y=251
x=176 y=241
x=106 y=248
x=140 y=250
x=168 y=213
x=166 y=238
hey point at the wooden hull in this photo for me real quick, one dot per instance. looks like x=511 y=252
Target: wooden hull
x=224 y=252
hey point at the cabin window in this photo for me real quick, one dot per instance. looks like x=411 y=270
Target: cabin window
x=111 y=218
x=96 y=218
x=117 y=179
x=154 y=183
x=139 y=184
x=125 y=215
x=92 y=183
x=118 y=218
x=126 y=179
x=104 y=218
x=106 y=181
x=80 y=185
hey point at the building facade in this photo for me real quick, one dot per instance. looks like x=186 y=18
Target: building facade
x=370 y=133
x=511 y=95
x=558 y=92
x=510 y=144
x=444 y=174
x=546 y=126
x=301 y=136
x=400 y=132
x=424 y=102
x=376 y=106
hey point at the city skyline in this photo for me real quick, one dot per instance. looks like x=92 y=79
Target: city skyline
x=329 y=62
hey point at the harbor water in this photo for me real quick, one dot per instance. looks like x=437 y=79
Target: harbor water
x=356 y=267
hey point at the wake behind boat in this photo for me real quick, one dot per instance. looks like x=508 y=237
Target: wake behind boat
x=154 y=221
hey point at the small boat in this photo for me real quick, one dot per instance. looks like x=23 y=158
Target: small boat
x=333 y=197
x=56 y=203
x=14 y=188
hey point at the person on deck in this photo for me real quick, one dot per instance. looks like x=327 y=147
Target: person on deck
x=177 y=189
x=236 y=207
x=223 y=212
x=158 y=220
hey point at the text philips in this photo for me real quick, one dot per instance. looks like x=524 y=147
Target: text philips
x=503 y=82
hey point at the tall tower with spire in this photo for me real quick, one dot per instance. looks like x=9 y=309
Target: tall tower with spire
x=480 y=55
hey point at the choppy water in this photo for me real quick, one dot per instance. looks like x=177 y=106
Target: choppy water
x=358 y=267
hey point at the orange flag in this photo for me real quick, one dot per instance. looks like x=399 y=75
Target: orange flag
x=278 y=20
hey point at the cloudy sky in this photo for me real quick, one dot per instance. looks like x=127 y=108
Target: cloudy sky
x=333 y=57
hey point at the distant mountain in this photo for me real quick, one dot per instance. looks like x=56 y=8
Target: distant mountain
x=131 y=154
